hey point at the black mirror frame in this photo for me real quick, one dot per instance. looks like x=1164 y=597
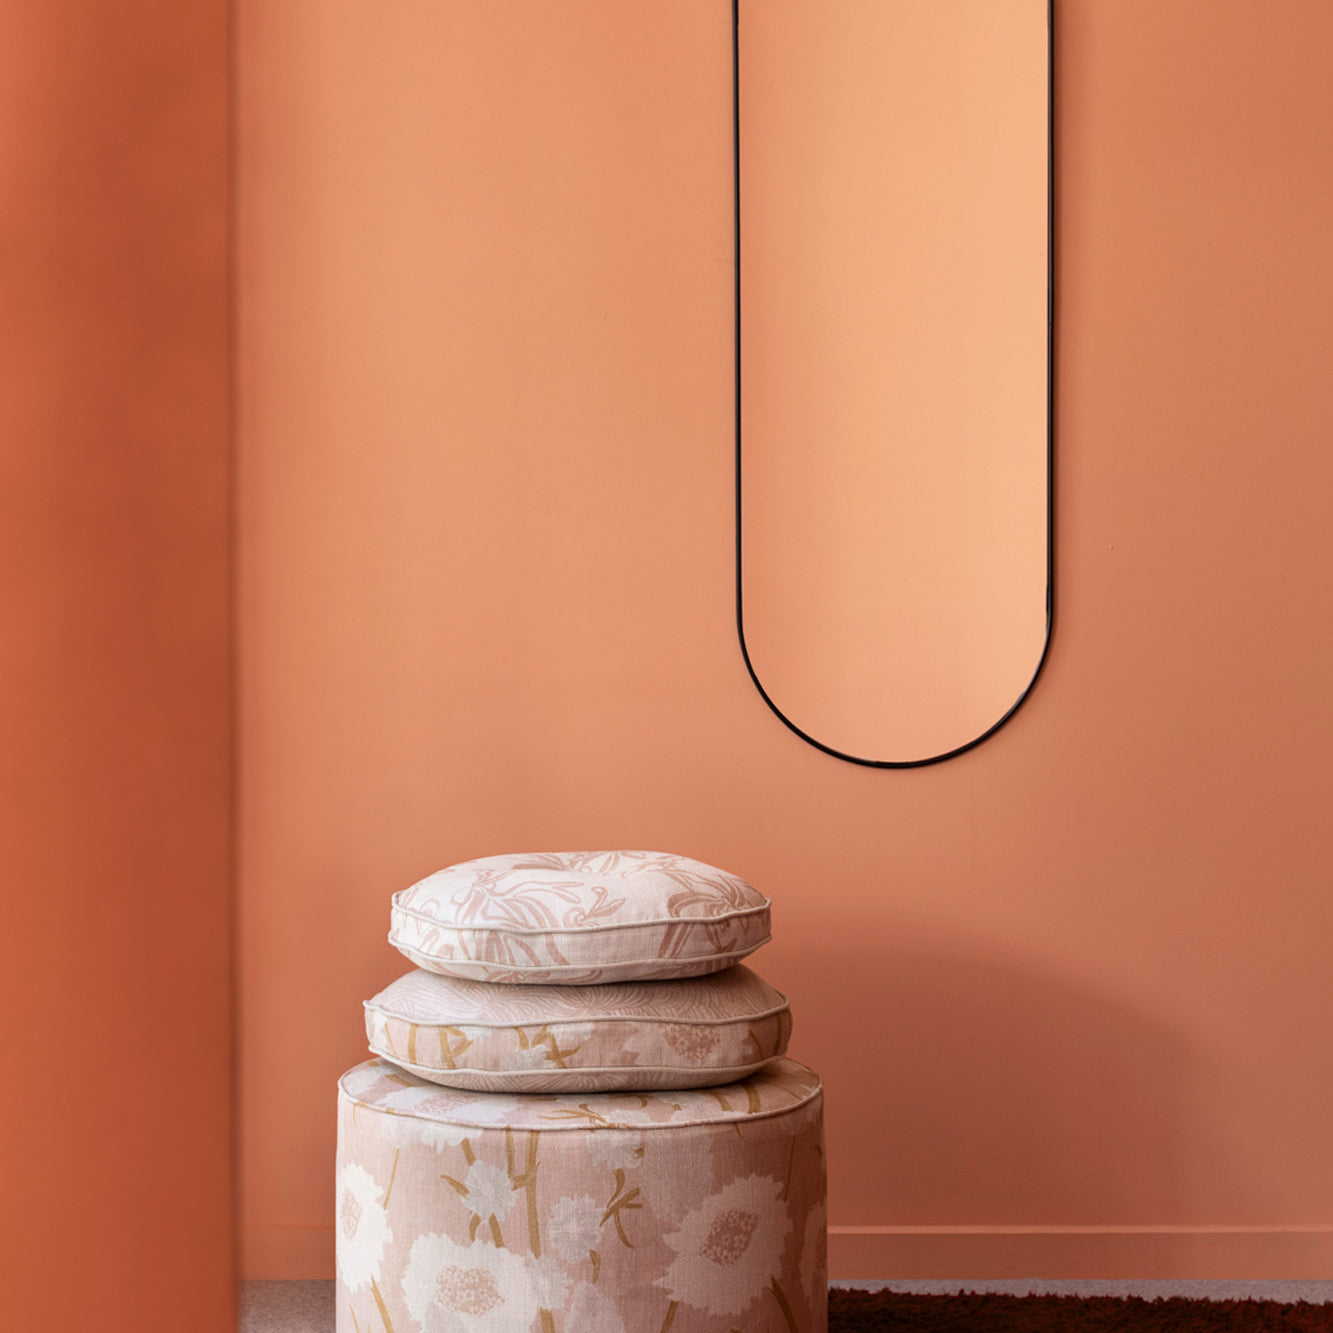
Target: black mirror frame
x=1050 y=411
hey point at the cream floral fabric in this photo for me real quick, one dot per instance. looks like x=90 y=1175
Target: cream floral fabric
x=695 y=1212
x=624 y=1034
x=579 y=918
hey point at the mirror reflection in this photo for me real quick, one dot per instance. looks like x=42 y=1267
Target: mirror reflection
x=893 y=345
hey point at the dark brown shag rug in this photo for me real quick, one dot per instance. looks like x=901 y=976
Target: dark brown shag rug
x=855 y=1311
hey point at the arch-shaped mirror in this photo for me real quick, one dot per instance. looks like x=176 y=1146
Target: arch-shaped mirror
x=893 y=366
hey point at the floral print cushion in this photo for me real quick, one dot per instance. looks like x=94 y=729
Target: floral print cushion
x=579 y=918
x=624 y=1034
x=695 y=1212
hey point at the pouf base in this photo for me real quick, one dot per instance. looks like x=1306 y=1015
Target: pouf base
x=699 y=1211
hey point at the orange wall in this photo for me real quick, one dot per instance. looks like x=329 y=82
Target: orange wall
x=114 y=656
x=1070 y=992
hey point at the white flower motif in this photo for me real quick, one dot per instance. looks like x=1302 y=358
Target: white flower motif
x=487 y=1109
x=729 y=1249
x=362 y=1227
x=575 y=1226
x=591 y=1308
x=451 y=1288
x=438 y=1135
x=615 y=1148
x=535 y=1056
x=490 y=1192
x=549 y=1281
x=447 y=1104
x=409 y=1131
x=411 y=1100
x=465 y=1112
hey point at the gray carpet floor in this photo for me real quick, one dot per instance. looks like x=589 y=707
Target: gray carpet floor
x=307 y=1307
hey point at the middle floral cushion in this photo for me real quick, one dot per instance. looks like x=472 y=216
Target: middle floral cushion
x=692 y=1033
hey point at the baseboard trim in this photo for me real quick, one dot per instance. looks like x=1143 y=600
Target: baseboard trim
x=1273 y=1253
x=1276 y=1253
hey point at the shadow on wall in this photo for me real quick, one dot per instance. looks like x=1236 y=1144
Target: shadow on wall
x=967 y=1093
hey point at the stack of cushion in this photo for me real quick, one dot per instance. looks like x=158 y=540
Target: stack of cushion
x=581 y=1118
x=579 y=972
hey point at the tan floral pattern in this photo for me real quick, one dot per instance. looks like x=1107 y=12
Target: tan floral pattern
x=647 y=1034
x=579 y=918
x=697 y=1211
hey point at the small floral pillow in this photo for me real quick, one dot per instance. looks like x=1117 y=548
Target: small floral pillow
x=579 y=918
x=694 y=1033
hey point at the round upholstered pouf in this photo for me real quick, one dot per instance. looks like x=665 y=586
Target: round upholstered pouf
x=695 y=1211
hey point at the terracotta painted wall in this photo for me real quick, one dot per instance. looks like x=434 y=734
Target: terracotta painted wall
x=115 y=716
x=1070 y=992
